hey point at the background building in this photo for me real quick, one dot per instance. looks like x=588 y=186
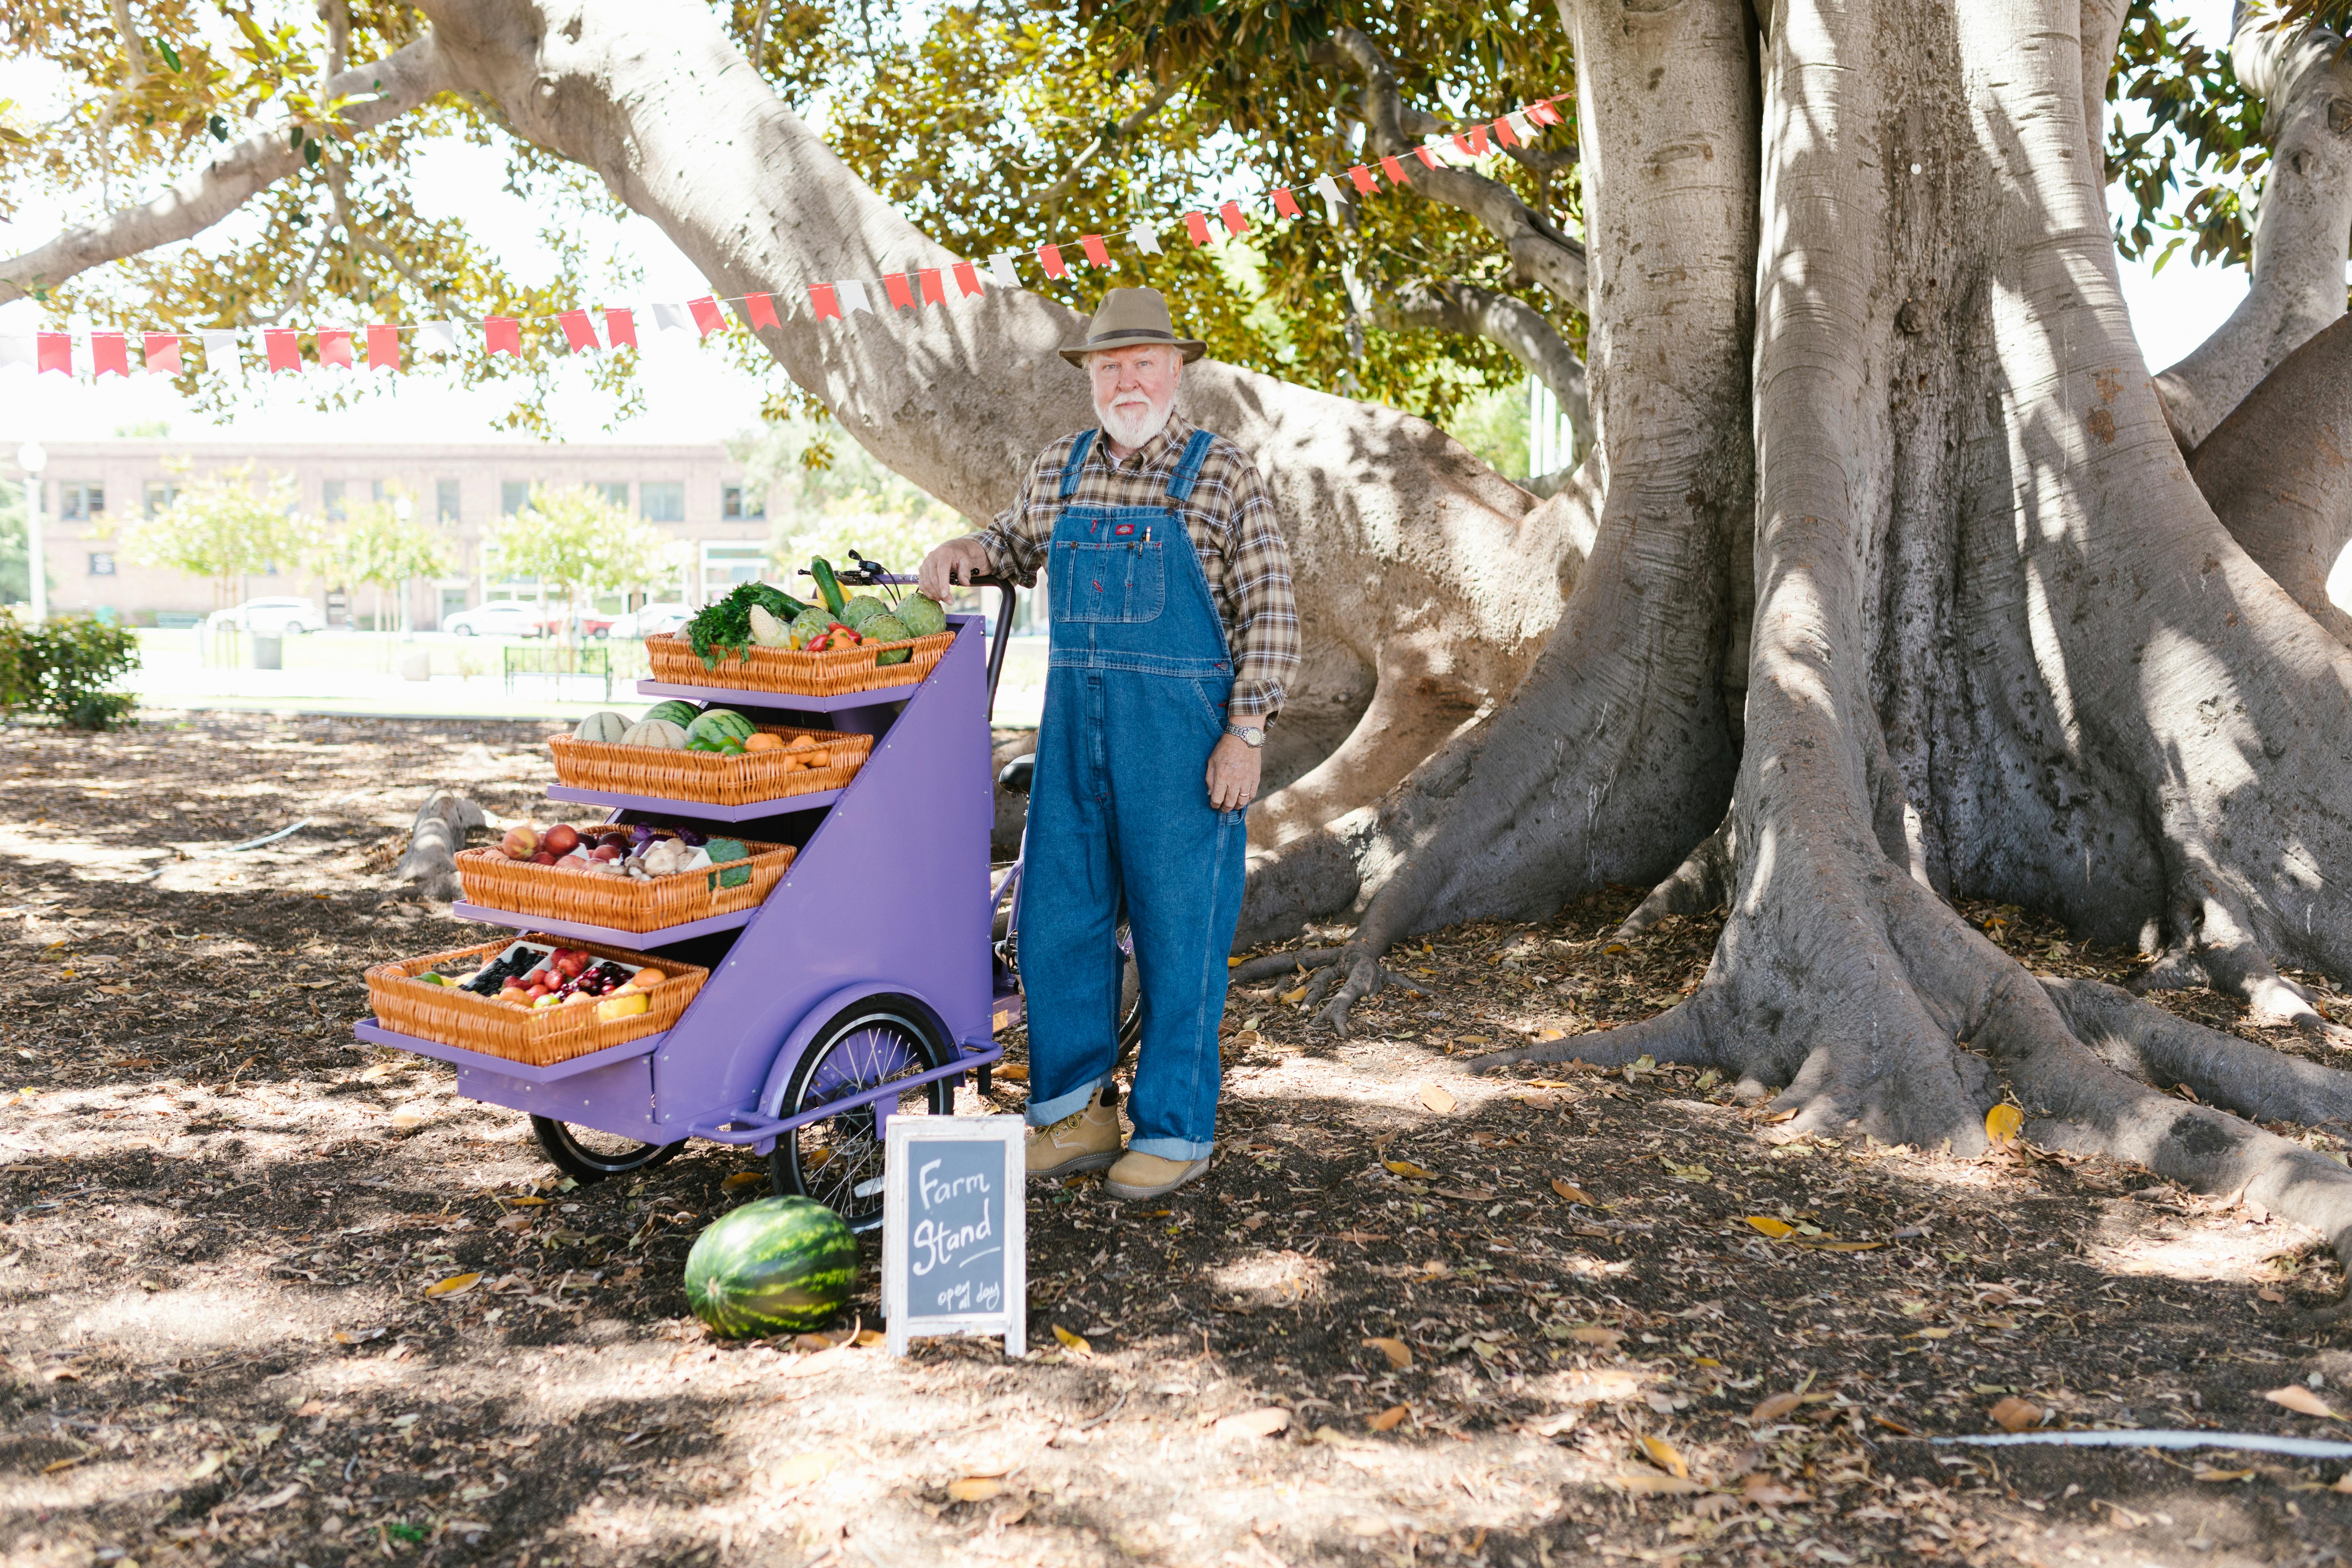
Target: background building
x=694 y=492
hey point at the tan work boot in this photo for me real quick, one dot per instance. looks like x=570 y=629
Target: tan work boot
x=1085 y=1139
x=1139 y=1175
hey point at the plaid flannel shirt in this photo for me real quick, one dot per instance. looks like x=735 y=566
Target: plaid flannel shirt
x=1230 y=519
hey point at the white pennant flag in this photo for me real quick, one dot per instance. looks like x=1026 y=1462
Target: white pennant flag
x=999 y=270
x=442 y=335
x=220 y=349
x=1450 y=155
x=1328 y=189
x=15 y=351
x=850 y=295
x=1145 y=237
x=1526 y=132
x=670 y=317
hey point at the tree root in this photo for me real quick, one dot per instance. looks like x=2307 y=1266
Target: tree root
x=2145 y=1042
x=2222 y=954
x=1274 y=964
x=1357 y=973
x=1693 y=887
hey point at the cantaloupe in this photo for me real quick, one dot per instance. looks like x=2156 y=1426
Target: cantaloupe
x=607 y=726
x=656 y=732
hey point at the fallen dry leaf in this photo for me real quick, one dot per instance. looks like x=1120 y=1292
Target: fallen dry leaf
x=1573 y=1193
x=456 y=1285
x=2003 y=1122
x=406 y=1121
x=1400 y=1354
x=2210 y=1475
x=1014 y=1072
x=1436 y=1097
x=1073 y=1342
x=1295 y=998
x=2302 y=1401
x=1262 y=1422
x=742 y=1179
x=974 y=1488
x=1774 y=1408
x=868 y=1339
x=1842 y=1245
x=1775 y=1228
x=1933 y=1334
x=1407 y=1168
x=1649 y=1483
x=1768 y=1492
x=1390 y=1418
x=812 y=1365
x=801 y=1469
x=2016 y=1415
x=1663 y=1455
x=1551 y=1034
x=1592 y=1336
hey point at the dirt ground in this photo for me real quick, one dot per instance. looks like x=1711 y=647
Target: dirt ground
x=1412 y=1316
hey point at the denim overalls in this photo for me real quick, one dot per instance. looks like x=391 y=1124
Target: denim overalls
x=1135 y=701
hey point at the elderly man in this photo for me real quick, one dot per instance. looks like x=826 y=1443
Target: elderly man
x=1174 y=632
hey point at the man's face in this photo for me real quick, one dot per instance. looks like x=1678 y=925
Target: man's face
x=1135 y=391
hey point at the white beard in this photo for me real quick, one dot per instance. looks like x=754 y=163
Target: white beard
x=1132 y=426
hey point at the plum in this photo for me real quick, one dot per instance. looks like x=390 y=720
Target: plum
x=560 y=839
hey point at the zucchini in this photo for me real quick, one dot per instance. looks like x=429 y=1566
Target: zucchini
x=827 y=585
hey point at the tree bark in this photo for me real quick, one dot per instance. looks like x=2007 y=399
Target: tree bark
x=2302 y=229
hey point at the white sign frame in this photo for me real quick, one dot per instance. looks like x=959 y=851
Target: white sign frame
x=903 y=1137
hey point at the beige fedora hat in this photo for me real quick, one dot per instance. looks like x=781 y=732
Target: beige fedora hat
x=1131 y=318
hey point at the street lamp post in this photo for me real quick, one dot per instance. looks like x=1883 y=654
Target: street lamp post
x=34 y=459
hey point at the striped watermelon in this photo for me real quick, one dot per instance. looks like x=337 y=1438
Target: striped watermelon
x=775 y=1266
x=677 y=710
x=719 y=724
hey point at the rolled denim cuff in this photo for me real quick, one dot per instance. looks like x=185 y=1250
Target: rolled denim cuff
x=1070 y=1104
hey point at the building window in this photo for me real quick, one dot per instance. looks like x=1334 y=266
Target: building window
x=101 y=563
x=724 y=566
x=662 y=500
x=444 y=502
x=160 y=496
x=739 y=503
x=330 y=500
x=78 y=500
x=615 y=491
x=513 y=496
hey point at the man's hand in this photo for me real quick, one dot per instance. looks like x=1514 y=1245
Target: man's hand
x=1233 y=774
x=941 y=567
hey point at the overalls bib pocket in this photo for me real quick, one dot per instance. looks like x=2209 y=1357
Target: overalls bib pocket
x=1125 y=580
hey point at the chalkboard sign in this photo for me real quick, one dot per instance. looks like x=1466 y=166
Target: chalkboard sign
x=955 y=1240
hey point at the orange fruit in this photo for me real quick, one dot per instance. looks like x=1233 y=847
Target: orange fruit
x=761 y=741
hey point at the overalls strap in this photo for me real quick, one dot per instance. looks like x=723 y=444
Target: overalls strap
x=1188 y=469
x=1078 y=450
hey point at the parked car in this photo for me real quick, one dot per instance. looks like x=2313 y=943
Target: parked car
x=283 y=616
x=498 y=618
x=653 y=621
x=591 y=625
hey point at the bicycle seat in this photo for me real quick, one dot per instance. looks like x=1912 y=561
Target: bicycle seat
x=1014 y=779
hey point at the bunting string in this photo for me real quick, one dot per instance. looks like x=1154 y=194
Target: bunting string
x=102 y=352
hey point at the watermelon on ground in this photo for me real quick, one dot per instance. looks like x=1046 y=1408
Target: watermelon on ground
x=677 y=710
x=778 y=1266
x=721 y=724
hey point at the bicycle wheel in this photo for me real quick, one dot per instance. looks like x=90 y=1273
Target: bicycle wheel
x=837 y=1159
x=585 y=1154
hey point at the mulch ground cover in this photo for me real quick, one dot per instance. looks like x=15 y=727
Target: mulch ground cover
x=1414 y=1315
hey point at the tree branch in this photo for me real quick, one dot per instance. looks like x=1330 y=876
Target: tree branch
x=1060 y=188
x=401 y=82
x=1521 y=331
x=1540 y=254
x=2304 y=75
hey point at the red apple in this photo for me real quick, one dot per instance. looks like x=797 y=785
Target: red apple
x=560 y=839
x=606 y=852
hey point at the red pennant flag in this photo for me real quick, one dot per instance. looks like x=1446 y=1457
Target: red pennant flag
x=935 y=290
x=707 y=315
x=1285 y=203
x=53 y=350
x=1504 y=135
x=284 y=347
x=109 y=353
x=1096 y=252
x=161 y=354
x=621 y=329
x=1543 y=113
x=335 y=347
x=384 y=346
x=1393 y=170
x=894 y=284
x=1364 y=180
x=1428 y=156
x=821 y=301
x=1049 y=256
x=1197 y=225
x=504 y=335
x=967 y=280
x=762 y=309
x=1232 y=213
x=1463 y=142
x=1478 y=141
x=578 y=335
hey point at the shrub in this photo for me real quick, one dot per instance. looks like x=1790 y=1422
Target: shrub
x=64 y=668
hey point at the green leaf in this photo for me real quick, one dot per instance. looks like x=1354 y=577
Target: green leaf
x=170 y=56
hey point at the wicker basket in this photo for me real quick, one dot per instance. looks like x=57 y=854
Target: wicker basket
x=623 y=903
x=828 y=674
x=536 y=1037
x=706 y=777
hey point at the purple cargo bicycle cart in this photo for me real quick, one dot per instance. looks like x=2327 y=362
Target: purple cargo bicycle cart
x=866 y=985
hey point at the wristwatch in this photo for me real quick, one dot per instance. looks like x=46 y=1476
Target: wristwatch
x=1251 y=735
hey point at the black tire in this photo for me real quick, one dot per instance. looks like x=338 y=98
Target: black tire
x=587 y=1155
x=1130 y=988
x=837 y=1159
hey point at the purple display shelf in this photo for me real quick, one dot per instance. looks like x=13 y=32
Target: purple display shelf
x=375 y=1034
x=696 y=810
x=751 y=697
x=610 y=936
